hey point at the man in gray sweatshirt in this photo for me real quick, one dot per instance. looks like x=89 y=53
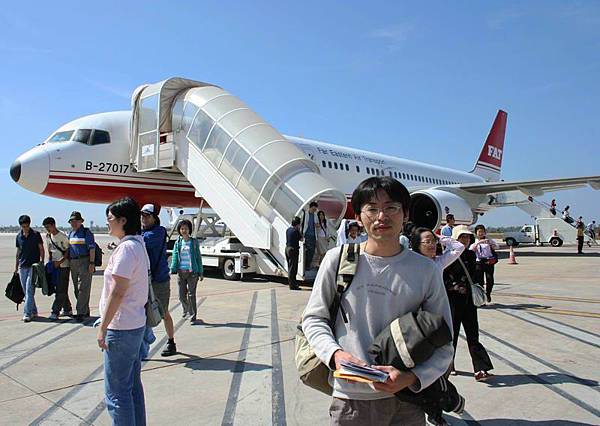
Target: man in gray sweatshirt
x=389 y=282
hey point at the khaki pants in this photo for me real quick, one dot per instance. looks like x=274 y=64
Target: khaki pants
x=380 y=412
x=82 y=283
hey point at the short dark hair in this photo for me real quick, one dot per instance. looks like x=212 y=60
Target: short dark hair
x=367 y=190
x=415 y=238
x=130 y=210
x=186 y=223
x=313 y=204
x=449 y=216
x=480 y=226
x=352 y=225
x=23 y=219
x=48 y=221
x=296 y=221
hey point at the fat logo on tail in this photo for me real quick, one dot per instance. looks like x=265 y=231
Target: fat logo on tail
x=489 y=163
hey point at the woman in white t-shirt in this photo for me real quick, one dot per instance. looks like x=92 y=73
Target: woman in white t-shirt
x=324 y=235
x=123 y=316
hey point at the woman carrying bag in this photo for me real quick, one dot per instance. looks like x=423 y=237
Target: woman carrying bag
x=457 y=279
x=186 y=262
x=123 y=315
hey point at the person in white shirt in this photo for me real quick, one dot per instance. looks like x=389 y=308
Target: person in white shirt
x=390 y=281
x=349 y=232
x=484 y=249
x=324 y=235
x=446 y=230
x=591 y=228
x=57 y=243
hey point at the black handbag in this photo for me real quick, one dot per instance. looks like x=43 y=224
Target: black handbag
x=14 y=291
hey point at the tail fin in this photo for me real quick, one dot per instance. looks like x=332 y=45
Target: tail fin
x=489 y=163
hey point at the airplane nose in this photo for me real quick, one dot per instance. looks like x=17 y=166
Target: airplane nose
x=15 y=171
x=31 y=170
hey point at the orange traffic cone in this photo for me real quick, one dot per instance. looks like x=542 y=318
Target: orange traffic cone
x=511 y=257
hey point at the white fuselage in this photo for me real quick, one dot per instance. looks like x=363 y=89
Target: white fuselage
x=84 y=171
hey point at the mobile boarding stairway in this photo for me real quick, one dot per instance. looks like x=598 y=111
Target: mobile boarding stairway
x=249 y=174
x=538 y=209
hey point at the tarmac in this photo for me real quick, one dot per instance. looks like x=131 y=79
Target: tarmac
x=236 y=365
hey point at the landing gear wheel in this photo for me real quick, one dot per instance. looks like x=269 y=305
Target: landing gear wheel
x=228 y=270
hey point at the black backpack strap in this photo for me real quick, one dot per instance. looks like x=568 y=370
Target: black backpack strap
x=347 y=264
x=56 y=246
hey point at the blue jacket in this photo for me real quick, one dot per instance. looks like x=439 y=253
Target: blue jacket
x=196 y=256
x=155 y=239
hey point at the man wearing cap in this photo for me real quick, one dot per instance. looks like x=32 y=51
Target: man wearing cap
x=155 y=238
x=82 y=251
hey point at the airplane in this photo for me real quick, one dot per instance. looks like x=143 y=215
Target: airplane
x=88 y=160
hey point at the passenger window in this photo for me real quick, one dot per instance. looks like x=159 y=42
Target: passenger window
x=347 y=168
x=100 y=137
x=82 y=136
x=357 y=169
x=324 y=164
x=335 y=166
x=329 y=162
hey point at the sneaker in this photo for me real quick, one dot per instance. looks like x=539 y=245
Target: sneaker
x=482 y=375
x=437 y=420
x=53 y=317
x=169 y=350
x=68 y=313
x=488 y=298
x=193 y=319
x=26 y=318
x=185 y=315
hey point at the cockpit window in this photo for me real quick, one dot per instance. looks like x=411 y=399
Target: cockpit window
x=82 y=135
x=61 y=136
x=99 y=137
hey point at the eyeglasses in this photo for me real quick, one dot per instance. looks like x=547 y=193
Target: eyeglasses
x=391 y=210
x=429 y=242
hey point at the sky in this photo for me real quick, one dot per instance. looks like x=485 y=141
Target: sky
x=399 y=78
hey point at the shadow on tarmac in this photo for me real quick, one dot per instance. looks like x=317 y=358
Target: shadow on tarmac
x=89 y=322
x=552 y=378
x=214 y=364
x=517 y=306
x=227 y=324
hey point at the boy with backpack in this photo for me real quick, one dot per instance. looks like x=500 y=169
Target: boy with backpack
x=57 y=243
x=389 y=282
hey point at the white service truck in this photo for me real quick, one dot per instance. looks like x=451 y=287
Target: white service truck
x=553 y=231
x=220 y=249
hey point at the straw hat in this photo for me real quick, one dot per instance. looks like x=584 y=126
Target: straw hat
x=458 y=230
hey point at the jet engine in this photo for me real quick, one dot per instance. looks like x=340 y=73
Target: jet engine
x=429 y=207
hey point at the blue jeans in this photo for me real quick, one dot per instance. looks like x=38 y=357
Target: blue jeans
x=123 y=391
x=148 y=339
x=30 y=308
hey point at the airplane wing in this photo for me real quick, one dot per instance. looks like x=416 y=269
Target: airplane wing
x=534 y=188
